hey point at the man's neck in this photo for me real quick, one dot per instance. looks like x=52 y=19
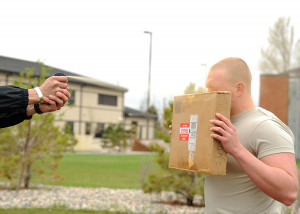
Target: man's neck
x=242 y=107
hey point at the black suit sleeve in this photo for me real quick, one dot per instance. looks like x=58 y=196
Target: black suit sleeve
x=13 y=104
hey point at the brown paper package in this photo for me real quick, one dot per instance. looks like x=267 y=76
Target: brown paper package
x=192 y=148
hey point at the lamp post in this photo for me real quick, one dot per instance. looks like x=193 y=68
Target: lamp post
x=149 y=78
x=204 y=65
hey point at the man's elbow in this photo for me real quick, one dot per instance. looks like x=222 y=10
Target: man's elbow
x=290 y=198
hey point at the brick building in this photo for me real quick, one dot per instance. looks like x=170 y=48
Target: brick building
x=280 y=94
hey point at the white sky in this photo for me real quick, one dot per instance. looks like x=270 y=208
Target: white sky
x=106 y=39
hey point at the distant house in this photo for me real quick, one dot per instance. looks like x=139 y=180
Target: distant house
x=95 y=104
x=280 y=94
x=139 y=120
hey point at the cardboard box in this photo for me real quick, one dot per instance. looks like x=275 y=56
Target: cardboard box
x=192 y=148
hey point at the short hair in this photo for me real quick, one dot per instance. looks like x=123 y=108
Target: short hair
x=236 y=71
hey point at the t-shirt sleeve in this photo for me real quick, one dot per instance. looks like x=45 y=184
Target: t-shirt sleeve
x=271 y=137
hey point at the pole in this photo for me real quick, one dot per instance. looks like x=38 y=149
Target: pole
x=149 y=81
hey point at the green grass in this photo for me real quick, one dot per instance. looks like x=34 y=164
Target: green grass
x=95 y=170
x=104 y=170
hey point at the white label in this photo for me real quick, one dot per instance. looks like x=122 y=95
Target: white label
x=193 y=132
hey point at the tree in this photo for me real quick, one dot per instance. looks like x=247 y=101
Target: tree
x=186 y=184
x=281 y=54
x=33 y=147
x=163 y=132
x=115 y=137
x=152 y=110
x=191 y=89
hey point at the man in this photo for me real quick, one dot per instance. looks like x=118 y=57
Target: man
x=18 y=104
x=261 y=168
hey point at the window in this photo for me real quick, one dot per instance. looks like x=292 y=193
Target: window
x=99 y=130
x=110 y=100
x=134 y=127
x=88 y=127
x=71 y=125
x=72 y=98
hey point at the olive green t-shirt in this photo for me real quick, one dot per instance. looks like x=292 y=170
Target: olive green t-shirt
x=261 y=133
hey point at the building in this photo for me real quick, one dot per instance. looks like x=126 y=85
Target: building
x=280 y=94
x=95 y=104
x=139 y=120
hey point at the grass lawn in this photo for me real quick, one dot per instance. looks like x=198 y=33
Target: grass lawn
x=107 y=170
x=104 y=170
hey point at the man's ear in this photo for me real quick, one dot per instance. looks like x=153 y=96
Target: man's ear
x=240 y=88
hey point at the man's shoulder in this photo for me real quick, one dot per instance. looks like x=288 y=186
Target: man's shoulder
x=260 y=115
x=266 y=120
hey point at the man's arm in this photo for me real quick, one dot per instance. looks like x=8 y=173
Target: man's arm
x=276 y=175
x=16 y=103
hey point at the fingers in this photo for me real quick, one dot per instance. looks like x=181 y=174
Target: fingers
x=48 y=101
x=223 y=118
x=220 y=127
x=62 y=85
x=48 y=107
x=60 y=78
x=66 y=92
x=223 y=122
x=54 y=103
x=218 y=123
x=170 y=127
x=59 y=102
x=64 y=96
x=223 y=130
x=217 y=137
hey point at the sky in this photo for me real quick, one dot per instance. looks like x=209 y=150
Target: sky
x=106 y=40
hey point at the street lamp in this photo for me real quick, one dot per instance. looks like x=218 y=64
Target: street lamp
x=149 y=78
x=204 y=65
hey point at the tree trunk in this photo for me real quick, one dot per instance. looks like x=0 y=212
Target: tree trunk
x=189 y=201
x=24 y=159
x=27 y=176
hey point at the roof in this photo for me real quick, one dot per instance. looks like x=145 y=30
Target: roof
x=293 y=73
x=17 y=66
x=130 y=112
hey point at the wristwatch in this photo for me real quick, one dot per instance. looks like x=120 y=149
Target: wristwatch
x=38 y=91
x=37 y=108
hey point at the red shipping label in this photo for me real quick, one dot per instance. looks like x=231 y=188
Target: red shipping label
x=184 y=137
x=184 y=125
x=184 y=131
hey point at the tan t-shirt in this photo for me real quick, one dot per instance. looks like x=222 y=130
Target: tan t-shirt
x=261 y=133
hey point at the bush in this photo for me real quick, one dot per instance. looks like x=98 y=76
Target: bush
x=186 y=184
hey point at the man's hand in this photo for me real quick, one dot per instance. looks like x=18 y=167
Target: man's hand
x=170 y=127
x=54 y=84
x=60 y=99
x=54 y=103
x=225 y=132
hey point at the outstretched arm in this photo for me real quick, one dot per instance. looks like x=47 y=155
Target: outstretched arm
x=276 y=174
